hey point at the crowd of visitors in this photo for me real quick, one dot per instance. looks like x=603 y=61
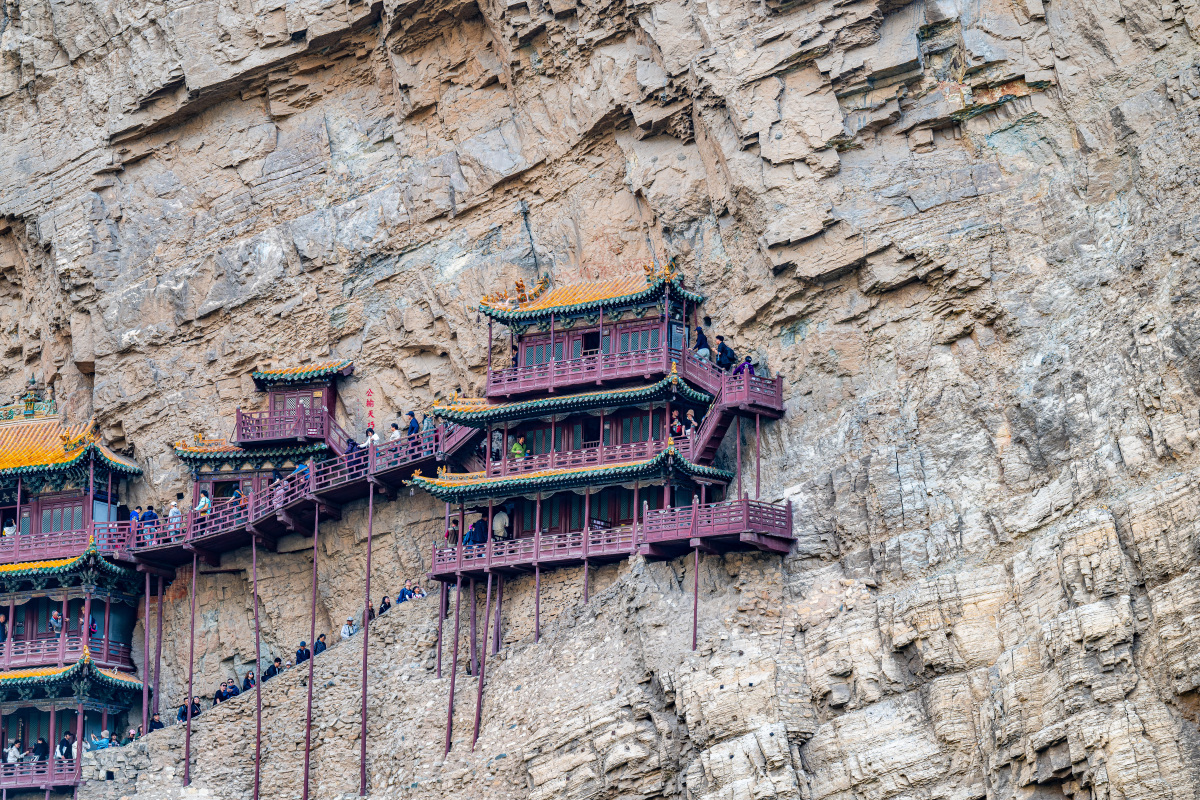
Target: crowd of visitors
x=68 y=747
x=230 y=689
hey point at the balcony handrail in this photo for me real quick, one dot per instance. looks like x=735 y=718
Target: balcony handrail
x=36 y=774
x=586 y=456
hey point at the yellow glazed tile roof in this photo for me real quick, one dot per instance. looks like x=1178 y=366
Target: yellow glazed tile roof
x=34 y=672
x=306 y=369
x=46 y=442
x=574 y=294
x=123 y=677
x=27 y=565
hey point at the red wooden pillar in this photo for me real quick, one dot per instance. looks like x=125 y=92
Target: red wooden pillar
x=537 y=569
x=362 y=755
x=550 y=360
x=257 y=671
x=187 y=733
x=695 y=592
x=107 y=617
x=600 y=365
x=441 y=623
x=158 y=645
x=737 y=435
x=504 y=452
x=473 y=654
x=18 y=519
x=87 y=510
x=53 y=746
x=499 y=607
x=312 y=635
x=487 y=613
x=634 y=536
x=78 y=742
x=146 y=661
x=12 y=623
x=587 y=526
x=453 y=662
x=62 y=636
x=489 y=349
x=757 y=453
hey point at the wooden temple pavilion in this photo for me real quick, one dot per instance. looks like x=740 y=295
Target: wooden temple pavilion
x=597 y=371
x=64 y=559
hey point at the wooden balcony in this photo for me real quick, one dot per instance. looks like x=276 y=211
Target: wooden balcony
x=734 y=524
x=289 y=504
x=111 y=539
x=587 y=370
x=38 y=774
x=63 y=650
x=297 y=425
x=587 y=456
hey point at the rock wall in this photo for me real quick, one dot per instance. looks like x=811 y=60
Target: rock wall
x=964 y=233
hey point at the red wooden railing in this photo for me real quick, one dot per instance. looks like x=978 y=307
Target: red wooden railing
x=675 y=525
x=587 y=456
x=251 y=427
x=582 y=370
x=36 y=774
x=41 y=652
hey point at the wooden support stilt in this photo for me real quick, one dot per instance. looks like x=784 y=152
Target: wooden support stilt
x=257 y=671
x=441 y=623
x=362 y=739
x=312 y=634
x=757 y=455
x=499 y=605
x=537 y=602
x=487 y=611
x=158 y=646
x=187 y=734
x=695 y=593
x=453 y=663
x=145 y=664
x=473 y=657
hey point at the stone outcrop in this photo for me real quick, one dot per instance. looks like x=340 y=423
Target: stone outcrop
x=965 y=234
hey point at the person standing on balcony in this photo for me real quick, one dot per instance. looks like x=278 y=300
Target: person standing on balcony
x=500 y=524
x=135 y=517
x=413 y=427
x=676 y=425
x=744 y=368
x=426 y=423
x=150 y=523
x=10 y=527
x=174 y=520
x=702 y=350
x=370 y=438
x=725 y=355
x=395 y=435
x=91 y=626
x=3 y=627
x=56 y=623
x=66 y=745
x=205 y=505
x=41 y=750
x=518 y=450
x=692 y=424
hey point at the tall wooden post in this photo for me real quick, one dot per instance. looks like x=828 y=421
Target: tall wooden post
x=312 y=635
x=257 y=671
x=695 y=592
x=107 y=618
x=757 y=454
x=473 y=655
x=453 y=662
x=487 y=611
x=489 y=348
x=737 y=435
x=158 y=646
x=362 y=754
x=441 y=624
x=187 y=733
x=499 y=606
x=145 y=662
x=78 y=741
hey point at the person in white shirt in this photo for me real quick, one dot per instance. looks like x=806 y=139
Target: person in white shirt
x=13 y=754
x=10 y=527
x=348 y=629
x=395 y=435
x=371 y=438
x=500 y=524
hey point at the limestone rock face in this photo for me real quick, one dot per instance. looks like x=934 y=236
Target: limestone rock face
x=964 y=233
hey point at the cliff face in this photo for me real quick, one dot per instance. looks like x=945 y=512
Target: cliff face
x=964 y=233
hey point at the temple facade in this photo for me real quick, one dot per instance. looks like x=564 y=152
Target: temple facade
x=69 y=589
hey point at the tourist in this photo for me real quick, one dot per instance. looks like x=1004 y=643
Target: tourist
x=303 y=653
x=413 y=427
x=300 y=472
x=56 y=622
x=16 y=752
x=319 y=646
x=405 y=594
x=273 y=670
x=385 y=605
x=744 y=368
x=418 y=592
x=518 y=450
x=692 y=424
x=156 y=723
x=676 y=425
x=135 y=517
x=150 y=519
x=369 y=437
x=3 y=627
x=41 y=750
x=205 y=505
x=91 y=625
x=725 y=354
x=232 y=690
x=219 y=694
x=348 y=629
x=427 y=423
x=174 y=520
x=395 y=435
x=702 y=350
x=500 y=523
x=101 y=742
x=10 y=528
x=248 y=682
x=66 y=745
x=451 y=538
